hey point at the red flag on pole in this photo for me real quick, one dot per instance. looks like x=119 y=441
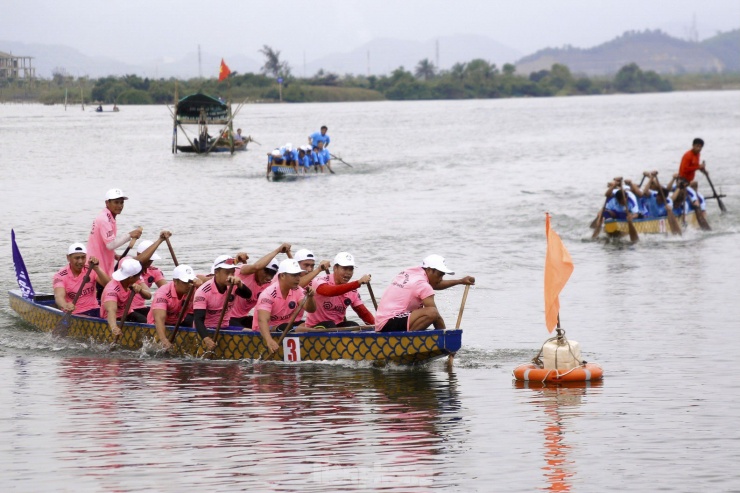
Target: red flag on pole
x=558 y=268
x=224 y=71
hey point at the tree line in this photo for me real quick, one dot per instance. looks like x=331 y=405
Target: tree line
x=476 y=79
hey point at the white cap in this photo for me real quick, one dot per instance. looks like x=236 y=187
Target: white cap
x=223 y=262
x=76 y=248
x=288 y=146
x=436 y=262
x=344 y=259
x=276 y=153
x=184 y=273
x=115 y=193
x=290 y=266
x=129 y=267
x=143 y=246
x=274 y=265
x=304 y=254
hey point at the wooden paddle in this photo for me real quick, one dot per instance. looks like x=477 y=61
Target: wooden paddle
x=126 y=310
x=599 y=220
x=719 y=200
x=61 y=328
x=672 y=221
x=340 y=160
x=287 y=328
x=183 y=310
x=630 y=226
x=223 y=313
x=125 y=252
x=462 y=306
x=372 y=296
x=172 y=252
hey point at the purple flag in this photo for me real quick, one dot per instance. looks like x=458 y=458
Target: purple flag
x=24 y=282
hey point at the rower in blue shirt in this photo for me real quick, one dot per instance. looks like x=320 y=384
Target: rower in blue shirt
x=323 y=157
x=320 y=136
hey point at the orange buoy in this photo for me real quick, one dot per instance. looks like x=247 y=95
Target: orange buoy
x=585 y=373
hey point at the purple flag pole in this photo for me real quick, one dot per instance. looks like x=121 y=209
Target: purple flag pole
x=24 y=282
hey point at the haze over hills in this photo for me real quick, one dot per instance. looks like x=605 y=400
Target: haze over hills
x=651 y=50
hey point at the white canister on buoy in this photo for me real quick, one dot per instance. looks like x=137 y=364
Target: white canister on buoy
x=561 y=354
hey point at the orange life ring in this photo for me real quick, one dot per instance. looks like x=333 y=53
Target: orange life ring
x=584 y=373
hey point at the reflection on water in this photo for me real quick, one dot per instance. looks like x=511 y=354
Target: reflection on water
x=306 y=426
x=560 y=404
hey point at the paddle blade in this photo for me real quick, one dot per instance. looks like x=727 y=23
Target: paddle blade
x=703 y=224
x=597 y=229
x=634 y=237
x=62 y=327
x=673 y=223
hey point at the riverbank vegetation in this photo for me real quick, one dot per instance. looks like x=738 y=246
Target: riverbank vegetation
x=476 y=79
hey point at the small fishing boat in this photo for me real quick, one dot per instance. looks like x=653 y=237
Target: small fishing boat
x=647 y=225
x=199 y=111
x=40 y=311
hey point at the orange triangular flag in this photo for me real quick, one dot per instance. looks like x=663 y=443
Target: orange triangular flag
x=558 y=268
x=223 y=71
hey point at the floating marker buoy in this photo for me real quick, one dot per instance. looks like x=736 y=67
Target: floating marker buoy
x=559 y=360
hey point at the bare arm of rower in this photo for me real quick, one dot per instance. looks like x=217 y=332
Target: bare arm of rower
x=264 y=261
x=263 y=319
x=141 y=290
x=160 y=317
x=110 y=308
x=448 y=283
x=59 y=298
x=323 y=265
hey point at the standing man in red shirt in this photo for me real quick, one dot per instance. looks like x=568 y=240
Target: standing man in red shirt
x=689 y=166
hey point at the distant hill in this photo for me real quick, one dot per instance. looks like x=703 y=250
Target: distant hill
x=651 y=50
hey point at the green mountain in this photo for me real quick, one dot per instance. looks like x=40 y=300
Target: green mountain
x=650 y=50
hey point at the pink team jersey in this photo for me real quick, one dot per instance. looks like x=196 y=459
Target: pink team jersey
x=149 y=278
x=166 y=299
x=209 y=299
x=331 y=307
x=404 y=295
x=281 y=309
x=67 y=280
x=114 y=291
x=103 y=231
x=242 y=306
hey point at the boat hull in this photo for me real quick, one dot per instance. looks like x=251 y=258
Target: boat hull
x=287 y=173
x=619 y=227
x=191 y=150
x=236 y=344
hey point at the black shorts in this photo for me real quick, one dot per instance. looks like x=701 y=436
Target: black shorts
x=396 y=324
x=241 y=321
x=328 y=324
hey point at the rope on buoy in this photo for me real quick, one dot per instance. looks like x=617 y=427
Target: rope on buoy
x=559 y=337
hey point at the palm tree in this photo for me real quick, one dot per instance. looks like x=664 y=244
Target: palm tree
x=425 y=70
x=273 y=66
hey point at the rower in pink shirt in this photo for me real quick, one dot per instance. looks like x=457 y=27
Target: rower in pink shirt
x=408 y=303
x=257 y=277
x=210 y=298
x=67 y=282
x=150 y=275
x=335 y=293
x=277 y=303
x=102 y=242
x=307 y=260
x=117 y=292
x=168 y=300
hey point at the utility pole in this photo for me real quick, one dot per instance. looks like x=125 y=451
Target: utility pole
x=368 y=63
x=200 y=67
x=436 y=54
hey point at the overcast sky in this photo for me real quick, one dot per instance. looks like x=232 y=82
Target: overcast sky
x=135 y=30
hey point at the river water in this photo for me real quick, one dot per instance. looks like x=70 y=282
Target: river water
x=470 y=180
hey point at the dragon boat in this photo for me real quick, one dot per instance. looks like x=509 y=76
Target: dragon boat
x=235 y=344
x=647 y=225
x=288 y=173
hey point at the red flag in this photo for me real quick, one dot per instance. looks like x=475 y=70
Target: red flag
x=558 y=268
x=223 y=71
